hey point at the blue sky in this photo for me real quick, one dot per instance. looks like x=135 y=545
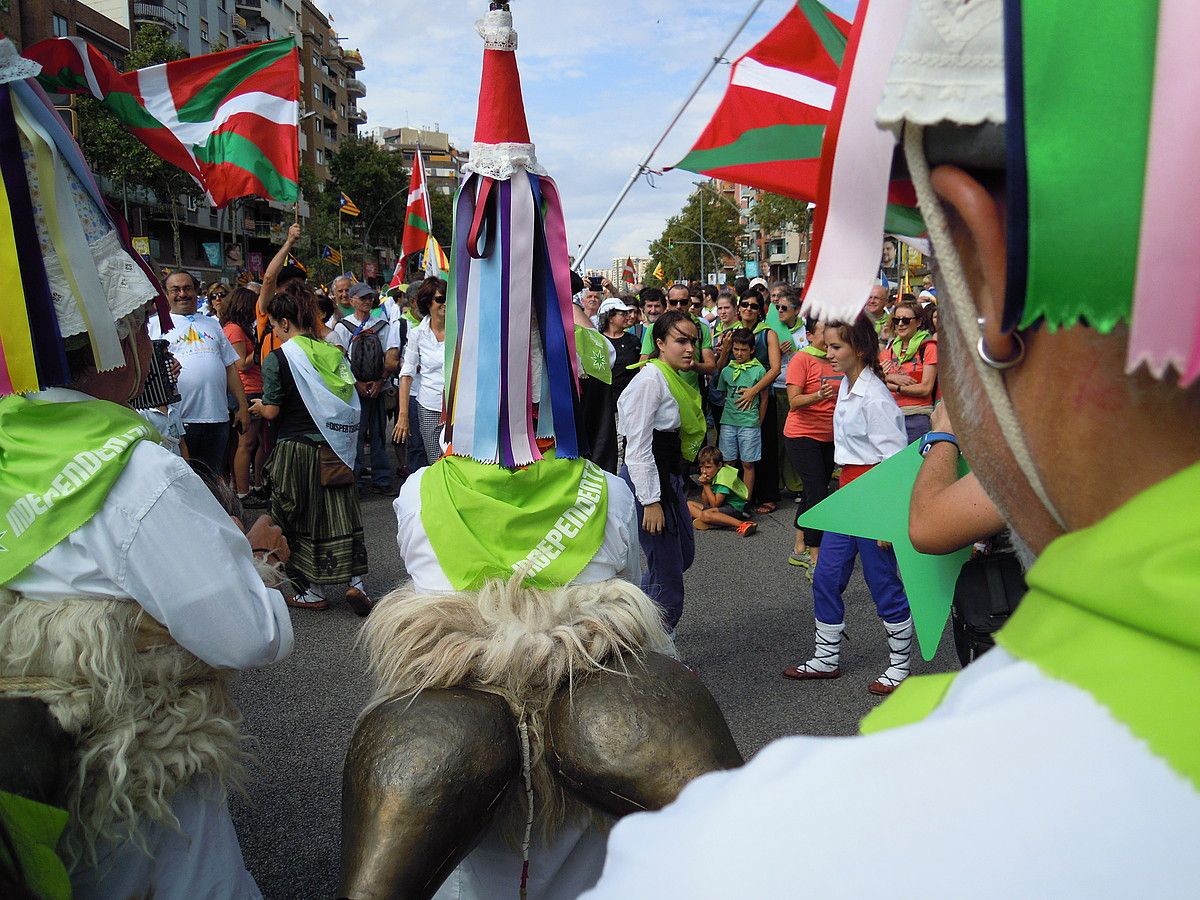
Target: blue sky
x=601 y=82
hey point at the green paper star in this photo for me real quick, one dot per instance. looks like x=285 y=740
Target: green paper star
x=876 y=505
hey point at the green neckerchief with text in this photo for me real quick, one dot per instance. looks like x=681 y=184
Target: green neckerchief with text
x=58 y=461
x=691 y=418
x=1129 y=635
x=486 y=521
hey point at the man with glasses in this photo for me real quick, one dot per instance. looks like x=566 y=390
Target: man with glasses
x=207 y=371
x=679 y=298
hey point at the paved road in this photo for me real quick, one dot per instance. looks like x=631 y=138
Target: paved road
x=748 y=615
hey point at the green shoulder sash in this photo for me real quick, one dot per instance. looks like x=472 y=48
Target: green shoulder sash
x=692 y=427
x=58 y=461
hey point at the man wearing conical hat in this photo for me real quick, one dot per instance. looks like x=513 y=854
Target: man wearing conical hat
x=1053 y=146
x=127 y=594
x=526 y=691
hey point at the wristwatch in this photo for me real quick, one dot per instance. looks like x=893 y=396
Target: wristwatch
x=937 y=437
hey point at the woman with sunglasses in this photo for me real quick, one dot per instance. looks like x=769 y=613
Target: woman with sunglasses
x=660 y=418
x=752 y=315
x=424 y=359
x=216 y=298
x=910 y=367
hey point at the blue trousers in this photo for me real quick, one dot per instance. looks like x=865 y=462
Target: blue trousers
x=372 y=426
x=668 y=555
x=836 y=564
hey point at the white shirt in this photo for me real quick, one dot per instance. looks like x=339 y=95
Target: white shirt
x=161 y=539
x=572 y=862
x=645 y=406
x=1017 y=785
x=204 y=354
x=799 y=342
x=617 y=557
x=341 y=334
x=424 y=354
x=868 y=426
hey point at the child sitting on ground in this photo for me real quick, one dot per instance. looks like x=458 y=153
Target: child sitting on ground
x=741 y=428
x=723 y=495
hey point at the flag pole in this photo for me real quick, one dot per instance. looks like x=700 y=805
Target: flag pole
x=643 y=166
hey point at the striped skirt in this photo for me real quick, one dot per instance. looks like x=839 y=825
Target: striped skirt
x=429 y=423
x=323 y=525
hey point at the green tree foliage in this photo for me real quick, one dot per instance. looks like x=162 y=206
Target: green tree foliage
x=775 y=213
x=128 y=167
x=442 y=206
x=376 y=180
x=678 y=248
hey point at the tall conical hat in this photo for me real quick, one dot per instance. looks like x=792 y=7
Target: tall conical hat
x=510 y=344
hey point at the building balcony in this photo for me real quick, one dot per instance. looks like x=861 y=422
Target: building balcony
x=238 y=24
x=254 y=6
x=354 y=60
x=148 y=13
x=355 y=88
x=356 y=115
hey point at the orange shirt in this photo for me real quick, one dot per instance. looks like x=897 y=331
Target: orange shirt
x=252 y=381
x=814 y=421
x=914 y=368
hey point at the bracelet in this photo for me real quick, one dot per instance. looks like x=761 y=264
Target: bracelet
x=937 y=437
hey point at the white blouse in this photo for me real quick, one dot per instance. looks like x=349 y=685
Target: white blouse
x=646 y=406
x=868 y=426
x=426 y=355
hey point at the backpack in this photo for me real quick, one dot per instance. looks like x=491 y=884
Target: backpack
x=366 y=348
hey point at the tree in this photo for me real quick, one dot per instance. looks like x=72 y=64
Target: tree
x=376 y=180
x=679 y=247
x=125 y=161
x=442 y=206
x=775 y=213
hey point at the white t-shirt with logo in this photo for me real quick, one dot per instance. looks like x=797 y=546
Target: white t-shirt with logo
x=204 y=352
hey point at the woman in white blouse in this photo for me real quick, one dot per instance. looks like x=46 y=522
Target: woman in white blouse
x=425 y=355
x=659 y=417
x=868 y=427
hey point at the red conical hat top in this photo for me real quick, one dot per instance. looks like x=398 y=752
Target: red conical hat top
x=501 y=129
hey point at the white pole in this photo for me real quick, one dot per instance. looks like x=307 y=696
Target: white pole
x=643 y=165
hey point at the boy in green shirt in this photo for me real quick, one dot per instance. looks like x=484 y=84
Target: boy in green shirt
x=741 y=429
x=723 y=495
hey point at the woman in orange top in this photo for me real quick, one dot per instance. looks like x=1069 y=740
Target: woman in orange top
x=237 y=321
x=812 y=388
x=910 y=368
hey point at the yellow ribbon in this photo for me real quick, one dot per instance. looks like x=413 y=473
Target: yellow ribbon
x=70 y=243
x=16 y=343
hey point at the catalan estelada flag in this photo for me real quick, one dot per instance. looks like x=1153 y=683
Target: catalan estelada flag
x=334 y=256
x=347 y=208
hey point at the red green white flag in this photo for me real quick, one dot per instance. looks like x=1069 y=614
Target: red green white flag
x=419 y=219
x=228 y=119
x=767 y=131
x=629 y=273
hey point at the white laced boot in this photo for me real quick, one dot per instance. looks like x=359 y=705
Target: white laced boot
x=900 y=641
x=825 y=660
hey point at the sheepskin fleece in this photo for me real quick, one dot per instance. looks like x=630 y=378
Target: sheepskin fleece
x=515 y=641
x=145 y=721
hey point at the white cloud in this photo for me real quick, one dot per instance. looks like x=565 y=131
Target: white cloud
x=601 y=83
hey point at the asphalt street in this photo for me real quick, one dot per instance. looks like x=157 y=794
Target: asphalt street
x=748 y=614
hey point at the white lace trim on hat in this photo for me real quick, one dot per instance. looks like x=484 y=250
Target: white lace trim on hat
x=13 y=66
x=949 y=67
x=500 y=161
x=496 y=29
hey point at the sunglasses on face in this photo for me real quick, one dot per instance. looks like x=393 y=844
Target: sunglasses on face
x=750 y=306
x=903 y=320
x=677 y=303
x=439 y=298
x=220 y=295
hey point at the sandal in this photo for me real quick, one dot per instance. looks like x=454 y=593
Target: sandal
x=764 y=508
x=307 y=600
x=746 y=529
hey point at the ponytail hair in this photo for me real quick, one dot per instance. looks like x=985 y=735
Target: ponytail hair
x=663 y=325
x=861 y=337
x=296 y=302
